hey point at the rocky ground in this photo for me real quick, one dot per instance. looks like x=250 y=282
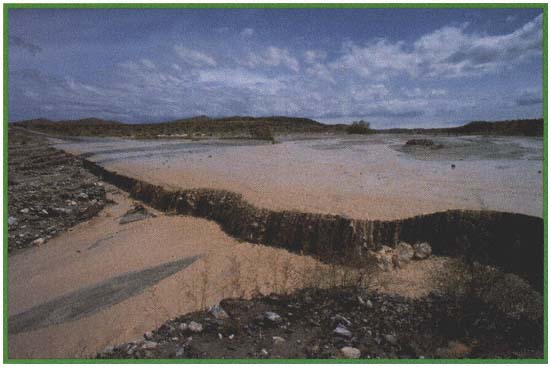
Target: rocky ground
x=48 y=191
x=341 y=323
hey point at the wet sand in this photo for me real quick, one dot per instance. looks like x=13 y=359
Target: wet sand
x=369 y=177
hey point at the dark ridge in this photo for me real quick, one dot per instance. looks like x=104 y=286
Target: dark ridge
x=527 y=127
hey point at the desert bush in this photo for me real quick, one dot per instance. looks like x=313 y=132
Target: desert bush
x=359 y=127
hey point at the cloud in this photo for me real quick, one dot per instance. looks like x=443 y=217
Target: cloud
x=246 y=33
x=321 y=72
x=313 y=56
x=240 y=79
x=447 y=52
x=18 y=42
x=273 y=57
x=194 y=58
x=528 y=98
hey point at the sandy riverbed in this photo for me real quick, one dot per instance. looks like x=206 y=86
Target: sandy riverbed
x=369 y=177
x=67 y=298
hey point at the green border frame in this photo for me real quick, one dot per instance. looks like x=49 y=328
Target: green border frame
x=8 y=6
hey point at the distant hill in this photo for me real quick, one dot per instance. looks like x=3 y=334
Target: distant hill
x=242 y=125
x=235 y=125
x=526 y=127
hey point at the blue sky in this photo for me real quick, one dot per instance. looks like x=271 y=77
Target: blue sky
x=392 y=67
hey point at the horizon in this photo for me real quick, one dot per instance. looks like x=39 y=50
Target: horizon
x=392 y=67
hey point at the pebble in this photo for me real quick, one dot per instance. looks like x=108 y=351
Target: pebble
x=83 y=196
x=264 y=352
x=218 y=312
x=195 y=327
x=183 y=326
x=273 y=317
x=148 y=335
x=12 y=221
x=24 y=210
x=350 y=352
x=38 y=242
x=342 y=331
x=392 y=339
x=149 y=345
x=278 y=339
x=180 y=352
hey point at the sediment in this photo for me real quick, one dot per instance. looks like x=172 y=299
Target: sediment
x=512 y=242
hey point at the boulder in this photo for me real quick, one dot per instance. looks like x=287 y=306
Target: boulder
x=422 y=251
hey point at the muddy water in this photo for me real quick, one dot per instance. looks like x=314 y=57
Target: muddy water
x=372 y=177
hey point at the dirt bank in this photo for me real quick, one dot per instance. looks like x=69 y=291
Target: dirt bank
x=513 y=242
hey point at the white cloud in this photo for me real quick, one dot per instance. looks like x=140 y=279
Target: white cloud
x=193 y=57
x=321 y=72
x=446 y=52
x=246 y=33
x=273 y=57
x=313 y=56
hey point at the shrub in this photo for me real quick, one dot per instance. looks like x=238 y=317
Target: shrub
x=359 y=127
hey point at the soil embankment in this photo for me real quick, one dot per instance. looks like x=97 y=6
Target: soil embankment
x=512 y=242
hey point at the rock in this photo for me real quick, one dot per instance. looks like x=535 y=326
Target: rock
x=278 y=339
x=342 y=331
x=422 y=251
x=149 y=345
x=12 y=221
x=148 y=335
x=404 y=251
x=25 y=210
x=136 y=213
x=420 y=142
x=218 y=312
x=342 y=320
x=382 y=258
x=392 y=339
x=350 y=352
x=272 y=317
x=195 y=327
x=180 y=352
x=108 y=350
x=38 y=242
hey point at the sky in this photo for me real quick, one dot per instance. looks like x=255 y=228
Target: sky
x=391 y=67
